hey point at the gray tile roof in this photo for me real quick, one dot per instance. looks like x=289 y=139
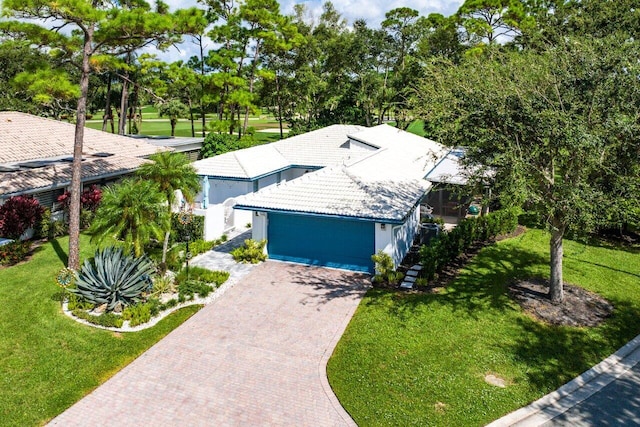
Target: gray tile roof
x=58 y=175
x=25 y=137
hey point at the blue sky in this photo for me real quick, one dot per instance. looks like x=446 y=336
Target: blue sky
x=371 y=10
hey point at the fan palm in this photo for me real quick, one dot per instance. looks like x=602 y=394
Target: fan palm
x=171 y=172
x=131 y=211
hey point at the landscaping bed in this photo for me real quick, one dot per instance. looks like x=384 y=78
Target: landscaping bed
x=47 y=361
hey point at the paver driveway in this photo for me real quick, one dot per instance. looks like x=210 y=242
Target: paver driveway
x=256 y=356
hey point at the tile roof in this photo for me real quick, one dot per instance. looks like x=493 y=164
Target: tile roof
x=59 y=174
x=323 y=147
x=449 y=170
x=336 y=191
x=25 y=137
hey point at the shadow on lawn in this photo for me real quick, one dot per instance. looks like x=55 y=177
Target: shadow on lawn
x=555 y=355
x=62 y=255
x=482 y=285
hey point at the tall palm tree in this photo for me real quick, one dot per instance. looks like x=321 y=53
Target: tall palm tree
x=131 y=211
x=171 y=172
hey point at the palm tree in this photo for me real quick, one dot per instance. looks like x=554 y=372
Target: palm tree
x=131 y=211
x=171 y=172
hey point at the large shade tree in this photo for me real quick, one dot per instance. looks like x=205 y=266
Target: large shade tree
x=100 y=27
x=559 y=128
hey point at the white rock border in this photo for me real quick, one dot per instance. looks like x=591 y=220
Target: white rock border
x=217 y=293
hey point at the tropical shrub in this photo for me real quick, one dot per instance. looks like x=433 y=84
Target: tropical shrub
x=251 y=252
x=137 y=314
x=18 y=214
x=14 y=252
x=48 y=229
x=219 y=143
x=132 y=212
x=447 y=246
x=203 y=275
x=109 y=320
x=385 y=270
x=114 y=278
x=194 y=229
x=189 y=288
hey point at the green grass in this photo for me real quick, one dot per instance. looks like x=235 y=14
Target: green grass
x=153 y=124
x=48 y=361
x=408 y=359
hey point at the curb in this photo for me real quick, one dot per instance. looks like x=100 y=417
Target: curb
x=576 y=390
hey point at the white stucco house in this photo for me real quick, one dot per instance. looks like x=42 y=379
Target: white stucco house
x=331 y=197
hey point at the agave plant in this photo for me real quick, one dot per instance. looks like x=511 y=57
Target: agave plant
x=114 y=278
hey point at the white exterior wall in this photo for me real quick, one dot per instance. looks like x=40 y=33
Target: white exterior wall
x=384 y=239
x=259 y=230
x=267 y=181
x=220 y=190
x=403 y=236
x=213 y=221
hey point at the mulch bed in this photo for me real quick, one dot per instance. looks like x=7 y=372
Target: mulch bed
x=579 y=308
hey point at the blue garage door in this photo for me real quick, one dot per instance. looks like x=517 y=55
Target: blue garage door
x=321 y=241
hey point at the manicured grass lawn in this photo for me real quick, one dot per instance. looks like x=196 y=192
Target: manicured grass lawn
x=48 y=361
x=409 y=359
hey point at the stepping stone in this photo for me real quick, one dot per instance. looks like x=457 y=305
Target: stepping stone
x=416 y=267
x=406 y=285
x=410 y=279
x=412 y=273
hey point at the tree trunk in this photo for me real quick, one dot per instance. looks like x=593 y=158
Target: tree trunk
x=193 y=128
x=173 y=127
x=107 y=108
x=123 y=106
x=165 y=247
x=279 y=106
x=556 y=291
x=76 y=177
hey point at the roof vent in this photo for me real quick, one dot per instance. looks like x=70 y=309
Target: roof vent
x=102 y=154
x=36 y=164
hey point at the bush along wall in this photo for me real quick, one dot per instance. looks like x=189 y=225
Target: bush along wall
x=449 y=245
x=179 y=231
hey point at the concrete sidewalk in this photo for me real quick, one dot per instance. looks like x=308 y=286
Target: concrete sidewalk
x=606 y=395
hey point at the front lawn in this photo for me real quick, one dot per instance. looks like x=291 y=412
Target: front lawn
x=48 y=361
x=420 y=359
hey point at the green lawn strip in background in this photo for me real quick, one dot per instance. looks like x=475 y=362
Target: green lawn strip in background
x=48 y=361
x=420 y=359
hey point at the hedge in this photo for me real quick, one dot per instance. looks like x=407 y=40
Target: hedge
x=449 y=245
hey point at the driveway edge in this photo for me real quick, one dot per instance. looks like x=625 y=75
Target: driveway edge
x=322 y=367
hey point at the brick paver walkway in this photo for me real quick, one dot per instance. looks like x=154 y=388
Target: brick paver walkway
x=256 y=356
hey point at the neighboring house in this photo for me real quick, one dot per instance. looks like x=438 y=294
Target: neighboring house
x=189 y=146
x=366 y=198
x=36 y=155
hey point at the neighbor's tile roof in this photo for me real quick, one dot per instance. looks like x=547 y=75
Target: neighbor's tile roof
x=323 y=147
x=58 y=175
x=25 y=137
x=336 y=191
